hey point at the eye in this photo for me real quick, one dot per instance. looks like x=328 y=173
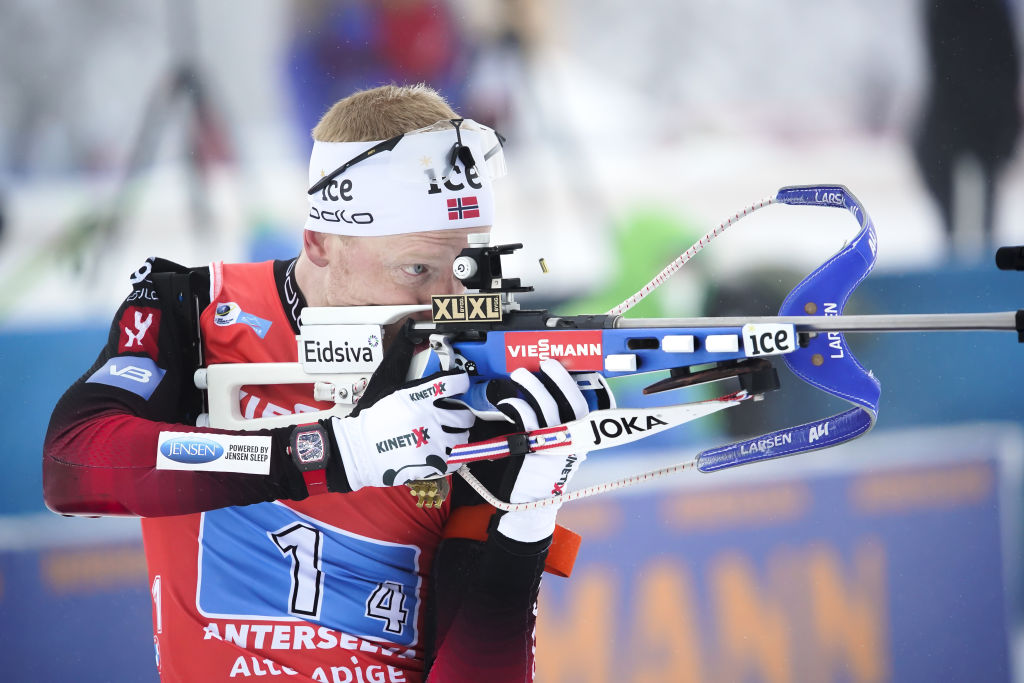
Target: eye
x=415 y=269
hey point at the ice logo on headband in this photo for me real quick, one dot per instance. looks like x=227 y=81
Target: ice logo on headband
x=436 y=178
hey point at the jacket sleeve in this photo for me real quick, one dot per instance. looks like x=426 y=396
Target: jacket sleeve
x=99 y=454
x=481 y=608
x=484 y=599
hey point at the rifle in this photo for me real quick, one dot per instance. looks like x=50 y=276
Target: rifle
x=486 y=333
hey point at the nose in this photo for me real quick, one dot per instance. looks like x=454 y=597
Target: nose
x=449 y=284
x=445 y=284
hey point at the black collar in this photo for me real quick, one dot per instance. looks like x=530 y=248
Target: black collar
x=288 y=289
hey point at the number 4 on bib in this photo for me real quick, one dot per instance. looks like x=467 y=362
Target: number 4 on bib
x=387 y=603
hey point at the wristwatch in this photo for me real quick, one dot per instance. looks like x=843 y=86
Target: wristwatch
x=309 y=449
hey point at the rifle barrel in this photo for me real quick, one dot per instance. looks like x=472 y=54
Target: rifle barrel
x=911 y=322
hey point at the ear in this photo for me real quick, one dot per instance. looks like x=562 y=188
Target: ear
x=315 y=245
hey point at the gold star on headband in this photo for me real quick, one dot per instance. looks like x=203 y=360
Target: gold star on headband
x=322 y=174
x=425 y=161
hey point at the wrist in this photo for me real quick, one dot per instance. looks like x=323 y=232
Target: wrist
x=519 y=548
x=346 y=446
x=310 y=448
x=529 y=526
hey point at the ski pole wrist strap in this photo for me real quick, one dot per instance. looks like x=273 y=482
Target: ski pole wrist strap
x=471 y=522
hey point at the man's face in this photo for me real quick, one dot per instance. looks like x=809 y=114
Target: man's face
x=394 y=269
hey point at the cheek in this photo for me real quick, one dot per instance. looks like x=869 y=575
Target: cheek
x=350 y=287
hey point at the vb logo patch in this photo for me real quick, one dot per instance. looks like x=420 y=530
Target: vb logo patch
x=137 y=374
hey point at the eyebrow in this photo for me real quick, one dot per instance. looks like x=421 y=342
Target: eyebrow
x=411 y=257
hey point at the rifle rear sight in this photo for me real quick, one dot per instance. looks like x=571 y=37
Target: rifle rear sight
x=479 y=268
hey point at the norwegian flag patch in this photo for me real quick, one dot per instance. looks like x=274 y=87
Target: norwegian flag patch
x=463 y=207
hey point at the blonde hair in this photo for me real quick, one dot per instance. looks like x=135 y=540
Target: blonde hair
x=381 y=113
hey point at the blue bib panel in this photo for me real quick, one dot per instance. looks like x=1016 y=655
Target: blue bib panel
x=304 y=569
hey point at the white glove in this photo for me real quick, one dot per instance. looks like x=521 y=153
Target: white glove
x=552 y=398
x=407 y=435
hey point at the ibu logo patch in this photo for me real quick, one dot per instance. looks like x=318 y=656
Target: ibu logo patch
x=229 y=313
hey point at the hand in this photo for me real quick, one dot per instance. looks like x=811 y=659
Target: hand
x=406 y=435
x=552 y=397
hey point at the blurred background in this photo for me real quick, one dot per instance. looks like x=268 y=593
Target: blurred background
x=181 y=129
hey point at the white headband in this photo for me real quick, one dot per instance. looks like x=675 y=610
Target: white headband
x=410 y=186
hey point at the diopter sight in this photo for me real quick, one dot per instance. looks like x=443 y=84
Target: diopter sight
x=478 y=267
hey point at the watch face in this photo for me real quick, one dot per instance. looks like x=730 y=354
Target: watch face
x=309 y=447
